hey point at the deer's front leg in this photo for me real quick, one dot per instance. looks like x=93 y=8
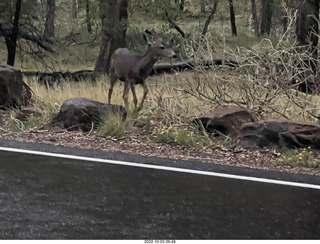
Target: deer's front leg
x=135 y=99
x=145 y=92
x=125 y=95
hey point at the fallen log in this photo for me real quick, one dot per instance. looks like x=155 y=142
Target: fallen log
x=189 y=65
x=50 y=78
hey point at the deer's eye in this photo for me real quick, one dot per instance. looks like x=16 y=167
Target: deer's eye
x=162 y=47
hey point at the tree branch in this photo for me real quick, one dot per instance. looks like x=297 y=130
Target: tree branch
x=175 y=26
x=35 y=39
x=210 y=17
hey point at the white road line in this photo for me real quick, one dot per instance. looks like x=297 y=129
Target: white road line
x=167 y=168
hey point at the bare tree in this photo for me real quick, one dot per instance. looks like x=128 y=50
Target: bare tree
x=88 y=18
x=14 y=25
x=114 y=17
x=285 y=18
x=74 y=11
x=50 y=14
x=203 y=6
x=307 y=21
x=210 y=17
x=254 y=17
x=307 y=29
x=232 y=18
x=181 y=6
x=12 y=35
x=266 y=16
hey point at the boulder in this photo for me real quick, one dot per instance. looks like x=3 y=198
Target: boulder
x=225 y=120
x=82 y=113
x=13 y=91
x=277 y=134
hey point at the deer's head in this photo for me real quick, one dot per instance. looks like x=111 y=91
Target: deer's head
x=156 y=46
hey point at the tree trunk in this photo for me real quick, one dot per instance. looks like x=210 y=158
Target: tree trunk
x=314 y=29
x=210 y=17
x=88 y=18
x=11 y=47
x=307 y=29
x=174 y=25
x=114 y=17
x=181 y=5
x=232 y=19
x=49 y=25
x=254 y=17
x=306 y=24
x=202 y=6
x=266 y=16
x=11 y=40
x=74 y=11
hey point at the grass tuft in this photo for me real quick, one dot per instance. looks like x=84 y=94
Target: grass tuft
x=112 y=126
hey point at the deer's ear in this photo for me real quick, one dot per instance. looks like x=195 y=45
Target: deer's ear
x=147 y=36
x=148 y=32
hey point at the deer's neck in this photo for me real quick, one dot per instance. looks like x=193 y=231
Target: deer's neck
x=146 y=62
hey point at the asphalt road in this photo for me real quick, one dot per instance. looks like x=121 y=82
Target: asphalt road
x=46 y=197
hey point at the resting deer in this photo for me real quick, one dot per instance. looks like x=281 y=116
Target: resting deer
x=133 y=68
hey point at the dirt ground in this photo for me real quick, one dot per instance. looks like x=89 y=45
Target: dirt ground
x=138 y=142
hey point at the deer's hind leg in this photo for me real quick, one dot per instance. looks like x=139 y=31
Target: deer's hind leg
x=113 y=80
x=145 y=92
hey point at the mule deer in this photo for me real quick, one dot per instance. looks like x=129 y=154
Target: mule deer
x=133 y=68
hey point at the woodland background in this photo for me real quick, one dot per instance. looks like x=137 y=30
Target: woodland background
x=273 y=42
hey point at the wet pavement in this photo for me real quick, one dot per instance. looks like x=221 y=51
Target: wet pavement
x=55 y=198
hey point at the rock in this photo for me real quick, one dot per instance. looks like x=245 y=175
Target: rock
x=225 y=120
x=13 y=91
x=82 y=113
x=277 y=134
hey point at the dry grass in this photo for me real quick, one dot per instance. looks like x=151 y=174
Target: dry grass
x=176 y=98
x=60 y=92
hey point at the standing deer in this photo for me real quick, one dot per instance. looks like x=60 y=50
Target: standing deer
x=133 y=68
